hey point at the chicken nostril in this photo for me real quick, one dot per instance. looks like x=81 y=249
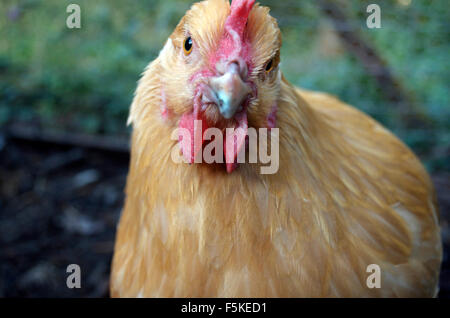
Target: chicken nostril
x=240 y=66
x=236 y=65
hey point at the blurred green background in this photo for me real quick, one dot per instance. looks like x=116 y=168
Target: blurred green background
x=83 y=80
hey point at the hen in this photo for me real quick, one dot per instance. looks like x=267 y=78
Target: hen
x=346 y=194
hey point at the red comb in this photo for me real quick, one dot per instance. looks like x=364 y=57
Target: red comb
x=240 y=10
x=232 y=44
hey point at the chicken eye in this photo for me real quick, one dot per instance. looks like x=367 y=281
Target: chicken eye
x=269 y=66
x=188 y=45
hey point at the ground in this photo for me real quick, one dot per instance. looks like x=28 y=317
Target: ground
x=60 y=205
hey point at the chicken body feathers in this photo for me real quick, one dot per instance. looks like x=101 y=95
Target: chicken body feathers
x=348 y=194
x=354 y=196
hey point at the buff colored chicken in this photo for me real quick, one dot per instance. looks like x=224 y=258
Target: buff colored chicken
x=347 y=194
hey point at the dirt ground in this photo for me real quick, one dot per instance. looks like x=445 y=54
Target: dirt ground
x=59 y=205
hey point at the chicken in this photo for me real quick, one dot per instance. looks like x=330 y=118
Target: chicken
x=347 y=193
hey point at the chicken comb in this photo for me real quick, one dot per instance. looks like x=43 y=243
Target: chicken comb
x=232 y=43
x=239 y=12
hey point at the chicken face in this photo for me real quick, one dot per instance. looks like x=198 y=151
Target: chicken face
x=221 y=63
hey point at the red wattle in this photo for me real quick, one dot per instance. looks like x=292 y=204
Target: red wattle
x=234 y=145
x=192 y=147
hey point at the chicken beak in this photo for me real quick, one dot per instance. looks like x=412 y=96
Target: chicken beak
x=231 y=90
